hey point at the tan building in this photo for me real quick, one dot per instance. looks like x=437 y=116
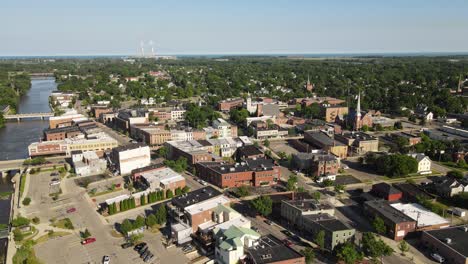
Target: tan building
x=330 y=113
x=359 y=142
x=326 y=143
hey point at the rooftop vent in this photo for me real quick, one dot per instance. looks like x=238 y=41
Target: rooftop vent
x=448 y=240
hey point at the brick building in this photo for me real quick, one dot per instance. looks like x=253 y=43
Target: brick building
x=386 y=191
x=316 y=164
x=251 y=172
x=228 y=104
x=61 y=133
x=359 y=142
x=397 y=223
x=326 y=143
x=450 y=243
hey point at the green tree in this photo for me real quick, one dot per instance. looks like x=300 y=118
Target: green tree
x=139 y=222
x=126 y=227
x=186 y=189
x=143 y=199
x=379 y=225
x=316 y=196
x=266 y=143
x=85 y=234
x=375 y=248
x=169 y=194
x=291 y=183
x=20 y=221
x=2 y=120
x=161 y=215
x=455 y=174
x=263 y=205
x=18 y=235
x=243 y=191
x=348 y=253
x=178 y=191
x=151 y=220
x=403 y=247
x=309 y=255
x=26 y=201
x=319 y=239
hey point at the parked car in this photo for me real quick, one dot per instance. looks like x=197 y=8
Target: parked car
x=255 y=228
x=148 y=258
x=139 y=246
x=145 y=253
x=287 y=242
x=187 y=248
x=127 y=245
x=287 y=232
x=71 y=210
x=88 y=241
x=143 y=250
x=269 y=222
x=105 y=260
x=437 y=257
x=54 y=174
x=54 y=181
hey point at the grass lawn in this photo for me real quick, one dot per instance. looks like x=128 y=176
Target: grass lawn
x=22 y=184
x=63 y=223
x=46 y=237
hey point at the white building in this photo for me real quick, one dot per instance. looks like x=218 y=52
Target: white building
x=223 y=127
x=149 y=101
x=177 y=115
x=130 y=157
x=181 y=135
x=423 y=216
x=88 y=163
x=163 y=179
x=424 y=163
x=230 y=244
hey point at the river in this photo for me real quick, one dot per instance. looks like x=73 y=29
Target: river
x=15 y=138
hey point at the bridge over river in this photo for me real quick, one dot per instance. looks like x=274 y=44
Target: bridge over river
x=18 y=117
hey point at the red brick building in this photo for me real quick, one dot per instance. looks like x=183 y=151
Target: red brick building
x=61 y=133
x=252 y=172
x=386 y=191
x=228 y=104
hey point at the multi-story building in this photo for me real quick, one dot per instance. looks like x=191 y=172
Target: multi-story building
x=424 y=163
x=326 y=143
x=330 y=113
x=425 y=219
x=398 y=224
x=359 y=142
x=202 y=150
x=63 y=99
x=66 y=146
x=251 y=172
x=249 y=152
x=271 y=250
x=64 y=120
x=125 y=118
x=336 y=232
x=386 y=191
x=230 y=244
x=316 y=163
x=449 y=243
x=193 y=209
x=97 y=110
x=158 y=178
x=61 y=133
x=130 y=157
x=178 y=114
x=88 y=163
x=413 y=139
x=294 y=210
x=228 y=104
x=225 y=129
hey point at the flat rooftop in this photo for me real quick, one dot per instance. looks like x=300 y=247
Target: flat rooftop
x=389 y=212
x=308 y=205
x=163 y=175
x=271 y=250
x=358 y=136
x=194 y=197
x=129 y=147
x=423 y=216
x=207 y=205
x=457 y=234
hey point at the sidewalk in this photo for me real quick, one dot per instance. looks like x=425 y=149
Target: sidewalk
x=413 y=255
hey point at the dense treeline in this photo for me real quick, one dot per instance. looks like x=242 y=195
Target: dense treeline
x=386 y=83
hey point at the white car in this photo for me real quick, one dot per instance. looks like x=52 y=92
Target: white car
x=105 y=260
x=54 y=182
x=437 y=257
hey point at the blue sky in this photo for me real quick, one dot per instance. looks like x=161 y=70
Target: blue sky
x=93 y=27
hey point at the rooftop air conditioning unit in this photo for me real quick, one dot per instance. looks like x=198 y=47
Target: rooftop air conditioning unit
x=448 y=240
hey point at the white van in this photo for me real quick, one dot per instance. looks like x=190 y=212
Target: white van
x=437 y=257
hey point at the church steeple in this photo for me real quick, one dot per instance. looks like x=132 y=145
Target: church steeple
x=357 y=116
x=309 y=86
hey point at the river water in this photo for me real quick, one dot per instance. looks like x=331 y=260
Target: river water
x=15 y=137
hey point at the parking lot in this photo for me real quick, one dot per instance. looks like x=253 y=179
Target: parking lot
x=282 y=146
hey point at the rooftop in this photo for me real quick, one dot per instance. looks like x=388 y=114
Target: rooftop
x=162 y=175
x=129 y=147
x=358 y=136
x=458 y=236
x=387 y=211
x=423 y=216
x=207 y=205
x=385 y=188
x=327 y=222
x=308 y=205
x=194 y=197
x=249 y=150
x=270 y=250
x=323 y=138
x=247 y=165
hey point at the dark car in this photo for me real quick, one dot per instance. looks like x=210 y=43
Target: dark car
x=148 y=258
x=126 y=245
x=139 y=246
x=143 y=251
x=286 y=232
x=144 y=254
x=287 y=242
x=187 y=248
x=269 y=222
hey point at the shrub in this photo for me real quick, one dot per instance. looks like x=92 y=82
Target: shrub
x=26 y=201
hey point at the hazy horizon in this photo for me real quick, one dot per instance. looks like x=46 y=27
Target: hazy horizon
x=209 y=27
